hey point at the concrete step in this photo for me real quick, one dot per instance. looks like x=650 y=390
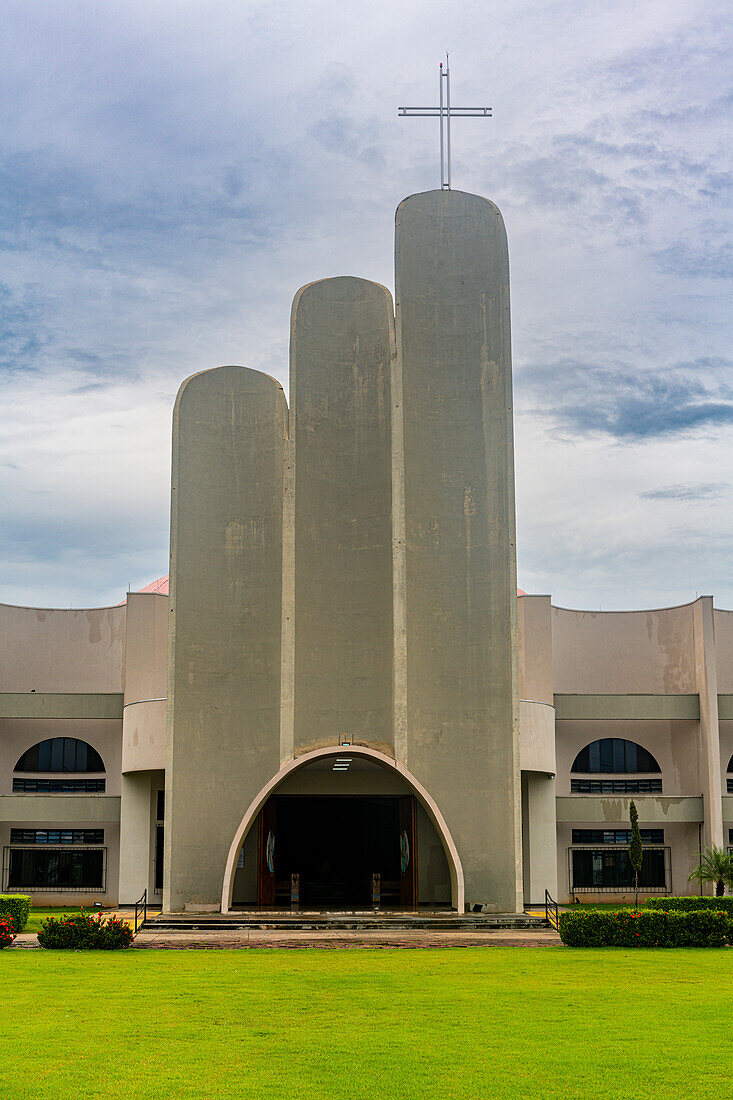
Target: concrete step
x=466 y=922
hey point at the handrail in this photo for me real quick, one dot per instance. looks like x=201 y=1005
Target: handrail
x=552 y=912
x=141 y=906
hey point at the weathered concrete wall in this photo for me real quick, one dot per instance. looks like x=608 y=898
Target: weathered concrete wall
x=19 y=734
x=223 y=736
x=341 y=347
x=623 y=652
x=706 y=672
x=54 y=650
x=674 y=745
x=724 y=649
x=453 y=338
x=146 y=665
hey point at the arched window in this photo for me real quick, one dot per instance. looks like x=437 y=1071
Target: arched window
x=730 y=764
x=60 y=754
x=612 y=755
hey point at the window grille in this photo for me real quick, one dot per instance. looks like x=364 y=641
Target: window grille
x=55 y=870
x=615 y=786
x=58 y=786
x=57 y=836
x=609 y=870
x=616 y=836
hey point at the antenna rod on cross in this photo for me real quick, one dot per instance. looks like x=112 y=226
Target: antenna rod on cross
x=445 y=112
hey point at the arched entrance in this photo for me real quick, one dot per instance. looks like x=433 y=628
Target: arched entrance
x=359 y=799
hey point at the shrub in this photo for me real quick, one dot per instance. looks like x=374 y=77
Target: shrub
x=688 y=905
x=17 y=908
x=7 y=933
x=645 y=928
x=82 y=932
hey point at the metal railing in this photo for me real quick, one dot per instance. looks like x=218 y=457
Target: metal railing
x=552 y=913
x=141 y=906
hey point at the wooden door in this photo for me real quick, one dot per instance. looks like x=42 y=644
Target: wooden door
x=408 y=852
x=266 y=855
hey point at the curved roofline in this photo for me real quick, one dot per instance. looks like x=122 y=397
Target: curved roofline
x=104 y=607
x=628 y=610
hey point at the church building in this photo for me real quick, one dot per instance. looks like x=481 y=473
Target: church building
x=338 y=699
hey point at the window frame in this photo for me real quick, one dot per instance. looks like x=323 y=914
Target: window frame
x=53 y=756
x=613 y=756
x=65 y=850
x=611 y=850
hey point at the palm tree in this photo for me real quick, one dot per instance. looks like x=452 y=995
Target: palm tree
x=715 y=866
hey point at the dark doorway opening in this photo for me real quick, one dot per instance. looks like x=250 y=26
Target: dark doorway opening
x=336 y=845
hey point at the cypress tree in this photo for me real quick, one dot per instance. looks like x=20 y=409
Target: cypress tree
x=636 y=853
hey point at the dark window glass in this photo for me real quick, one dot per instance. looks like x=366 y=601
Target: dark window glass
x=55 y=869
x=59 y=786
x=160 y=809
x=159 y=836
x=607 y=869
x=730 y=786
x=615 y=786
x=616 y=836
x=614 y=755
x=60 y=754
x=57 y=836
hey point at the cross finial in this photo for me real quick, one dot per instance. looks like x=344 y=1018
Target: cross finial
x=445 y=112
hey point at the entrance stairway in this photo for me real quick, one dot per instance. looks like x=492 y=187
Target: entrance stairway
x=340 y=921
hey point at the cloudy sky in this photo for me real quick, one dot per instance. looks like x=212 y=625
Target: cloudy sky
x=173 y=172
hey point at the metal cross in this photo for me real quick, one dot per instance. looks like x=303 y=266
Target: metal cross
x=445 y=112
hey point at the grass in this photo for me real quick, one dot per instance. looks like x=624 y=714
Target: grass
x=488 y=1022
x=38 y=914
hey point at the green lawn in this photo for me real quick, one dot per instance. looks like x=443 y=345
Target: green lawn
x=37 y=915
x=414 y=1024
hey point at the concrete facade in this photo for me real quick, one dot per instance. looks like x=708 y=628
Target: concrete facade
x=343 y=627
x=461 y=697
x=223 y=719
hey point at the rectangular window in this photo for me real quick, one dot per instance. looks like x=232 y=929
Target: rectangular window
x=615 y=786
x=56 y=869
x=159 y=848
x=616 y=836
x=57 y=836
x=606 y=869
x=59 y=786
x=160 y=806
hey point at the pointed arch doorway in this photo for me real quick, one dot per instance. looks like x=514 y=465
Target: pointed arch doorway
x=354 y=827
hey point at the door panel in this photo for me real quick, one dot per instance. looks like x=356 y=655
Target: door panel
x=408 y=852
x=266 y=844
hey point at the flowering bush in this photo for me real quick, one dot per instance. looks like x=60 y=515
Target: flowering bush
x=15 y=907
x=645 y=928
x=81 y=931
x=7 y=932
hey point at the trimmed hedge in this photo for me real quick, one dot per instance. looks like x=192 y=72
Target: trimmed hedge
x=7 y=933
x=691 y=905
x=645 y=928
x=17 y=907
x=82 y=932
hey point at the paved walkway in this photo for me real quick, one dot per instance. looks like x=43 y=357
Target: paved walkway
x=149 y=938
x=221 y=940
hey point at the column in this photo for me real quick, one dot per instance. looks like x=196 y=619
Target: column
x=341 y=350
x=453 y=339
x=223 y=736
x=135 y=818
